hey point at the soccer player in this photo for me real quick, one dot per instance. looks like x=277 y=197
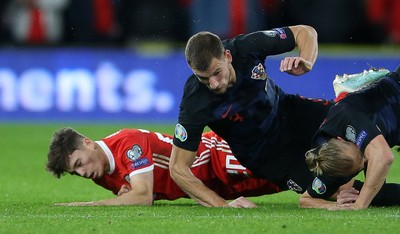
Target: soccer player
x=133 y=164
x=359 y=131
x=229 y=91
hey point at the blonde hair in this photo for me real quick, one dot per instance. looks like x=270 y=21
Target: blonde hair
x=331 y=158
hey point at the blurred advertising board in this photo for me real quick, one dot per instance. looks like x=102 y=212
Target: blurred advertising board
x=120 y=85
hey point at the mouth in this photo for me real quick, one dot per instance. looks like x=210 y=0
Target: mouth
x=220 y=90
x=92 y=176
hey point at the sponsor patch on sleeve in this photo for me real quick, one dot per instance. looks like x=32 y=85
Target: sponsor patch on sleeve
x=361 y=138
x=281 y=32
x=140 y=163
x=318 y=186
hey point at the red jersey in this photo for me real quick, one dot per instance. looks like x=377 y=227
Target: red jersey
x=135 y=151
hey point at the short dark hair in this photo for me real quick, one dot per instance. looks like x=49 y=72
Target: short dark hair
x=65 y=141
x=201 y=48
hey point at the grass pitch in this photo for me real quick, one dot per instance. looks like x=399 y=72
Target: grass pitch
x=28 y=192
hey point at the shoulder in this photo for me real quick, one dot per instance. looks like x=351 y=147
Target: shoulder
x=127 y=133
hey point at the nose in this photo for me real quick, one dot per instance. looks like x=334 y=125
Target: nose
x=213 y=83
x=81 y=172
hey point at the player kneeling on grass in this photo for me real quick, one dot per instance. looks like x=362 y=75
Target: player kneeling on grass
x=359 y=132
x=133 y=164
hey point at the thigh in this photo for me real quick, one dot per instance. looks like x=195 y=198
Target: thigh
x=298 y=179
x=306 y=115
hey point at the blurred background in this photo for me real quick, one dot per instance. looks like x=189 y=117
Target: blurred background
x=122 y=60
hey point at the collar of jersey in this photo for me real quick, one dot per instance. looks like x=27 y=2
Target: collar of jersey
x=109 y=155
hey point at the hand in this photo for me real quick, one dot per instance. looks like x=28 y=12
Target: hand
x=242 y=202
x=295 y=65
x=124 y=189
x=76 y=204
x=346 y=206
x=347 y=196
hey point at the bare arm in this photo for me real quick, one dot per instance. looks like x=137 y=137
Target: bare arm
x=380 y=157
x=179 y=165
x=141 y=193
x=306 y=201
x=306 y=39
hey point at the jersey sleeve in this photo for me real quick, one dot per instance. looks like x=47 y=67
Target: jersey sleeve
x=194 y=115
x=267 y=42
x=137 y=155
x=187 y=136
x=324 y=187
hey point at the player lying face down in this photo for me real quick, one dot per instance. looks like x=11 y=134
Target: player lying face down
x=133 y=164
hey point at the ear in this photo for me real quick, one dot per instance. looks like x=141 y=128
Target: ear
x=228 y=55
x=88 y=142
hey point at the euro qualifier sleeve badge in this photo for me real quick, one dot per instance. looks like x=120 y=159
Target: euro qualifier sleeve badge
x=180 y=132
x=318 y=186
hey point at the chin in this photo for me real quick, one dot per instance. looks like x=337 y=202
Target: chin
x=220 y=91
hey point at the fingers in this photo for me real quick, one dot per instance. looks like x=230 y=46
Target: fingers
x=289 y=63
x=124 y=189
x=347 y=196
x=242 y=202
x=295 y=65
x=348 y=192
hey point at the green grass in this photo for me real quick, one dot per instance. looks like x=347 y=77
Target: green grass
x=27 y=193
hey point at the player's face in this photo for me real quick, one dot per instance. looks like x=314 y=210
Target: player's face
x=86 y=162
x=219 y=76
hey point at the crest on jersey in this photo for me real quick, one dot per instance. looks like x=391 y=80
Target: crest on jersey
x=351 y=133
x=258 y=72
x=134 y=153
x=318 y=186
x=180 y=133
x=294 y=186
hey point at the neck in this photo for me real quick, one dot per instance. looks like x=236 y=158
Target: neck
x=103 y=158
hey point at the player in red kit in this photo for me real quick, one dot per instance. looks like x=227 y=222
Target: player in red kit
x=134 y=164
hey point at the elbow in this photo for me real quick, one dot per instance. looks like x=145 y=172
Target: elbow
x=303 y=29
x=174 y=172
x=389 y=158
x=309 y=30
x=312 y=31
x=306 y=201
x=302 y=203
x=148 y=202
